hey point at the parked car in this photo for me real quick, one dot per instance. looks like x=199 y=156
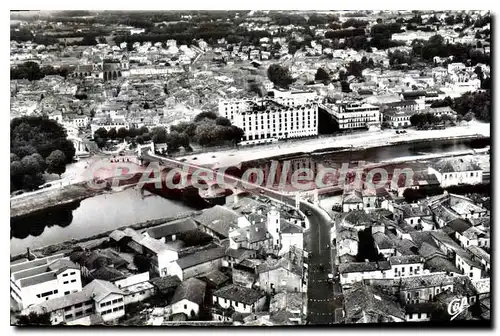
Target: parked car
x=17 y=193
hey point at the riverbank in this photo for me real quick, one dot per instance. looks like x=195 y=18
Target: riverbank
x=326 y=144
x=52 y=198
x=96 y=239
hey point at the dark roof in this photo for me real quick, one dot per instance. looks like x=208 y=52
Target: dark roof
x=406 y=259
x=421 y=237
x=287 y=227
x=443 y=238
x=108 y=274
x=239 y=294
x=367 y=299
x=464 y=286
x=191 y=289
x=467 y=257
x=216 y=277
x=166 y=283
x=171 y=228
x=383 y=242
x=441 y=264
x=358 y=267
x=458 y=225
x=428 y=251
x=218 y=219
x=201 y=257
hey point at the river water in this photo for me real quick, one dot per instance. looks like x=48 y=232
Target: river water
x=90 y=217
x=107 y=212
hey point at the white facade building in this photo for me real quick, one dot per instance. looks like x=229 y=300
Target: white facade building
x=39 y=280
x=456 y=171
x=268 y=120
x=354 y=115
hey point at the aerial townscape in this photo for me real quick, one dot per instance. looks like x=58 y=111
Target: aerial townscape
x=250 y=168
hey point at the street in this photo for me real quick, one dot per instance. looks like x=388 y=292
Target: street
x=322 y=304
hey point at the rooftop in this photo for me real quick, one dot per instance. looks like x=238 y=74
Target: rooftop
x=218 y=219
x=239 y=294
x=455 y=165
x=201 y=257
x=192 y=290
x=426 y=281
x=171 y=228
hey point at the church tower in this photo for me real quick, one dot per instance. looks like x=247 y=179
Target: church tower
x=273 y=225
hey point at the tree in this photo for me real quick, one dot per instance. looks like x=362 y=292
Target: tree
x=322 y=75
x=159 y=135
x=203 y=115
x=112 y=133
x=222 y=121
x=56 y=162
x=122 y=133
x=101 y=133
x=279 y=75
x=102 y=40
x=13 y=157
x=31 y=164
x=469 y=116
x=34 y=319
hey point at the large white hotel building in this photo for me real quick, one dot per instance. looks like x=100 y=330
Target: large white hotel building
x=284 y=116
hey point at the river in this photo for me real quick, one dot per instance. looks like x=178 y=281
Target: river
x=90 y=217
x=107 y=212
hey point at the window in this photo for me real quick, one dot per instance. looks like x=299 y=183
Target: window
x=88 y=310
x=78 y=314
x=65 y=274
x=185 y=306
x=69 y=316
x=67 y=309
x=66 y=282
x=79 y=305
x=74 y=280
x=102 y=305
x=66 y=293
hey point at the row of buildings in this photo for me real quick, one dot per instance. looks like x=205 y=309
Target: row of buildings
x=254 y=266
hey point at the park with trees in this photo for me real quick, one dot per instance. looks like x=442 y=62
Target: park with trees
x=37 y=145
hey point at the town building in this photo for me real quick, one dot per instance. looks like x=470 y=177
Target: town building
x=189 y=298
x=456 y=171
x=352 y=115
x=99 y=297
x=43 y=279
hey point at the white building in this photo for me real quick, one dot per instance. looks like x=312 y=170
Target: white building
x=268 y=120
x=456 y=171
x=108 y=126
x=398 y=118
x=241 y=299
x=75 y=120
x=354 y=115
x=189 y=297
x=97 y=298
x=33 y=282
x=135 y=288
x=465 y=263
